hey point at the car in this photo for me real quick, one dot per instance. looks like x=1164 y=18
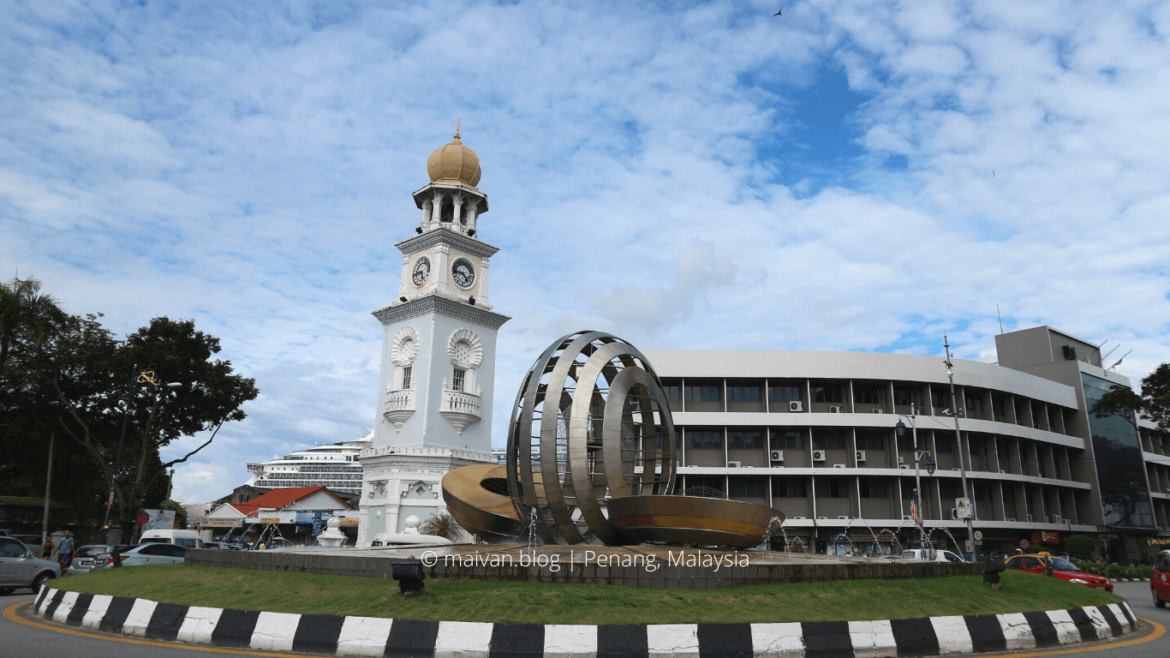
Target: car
x=1160 y=579
x=29 y=540
x=152 y=553
x=19 y=568
x=185 y=538
x=1061 y=568
x=940 y=555
x=86 y=558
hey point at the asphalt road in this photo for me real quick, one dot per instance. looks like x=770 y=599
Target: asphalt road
x=19 y=640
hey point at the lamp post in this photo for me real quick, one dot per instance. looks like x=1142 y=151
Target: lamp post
x=918 y=455
x=959 y=439
x=137 y=377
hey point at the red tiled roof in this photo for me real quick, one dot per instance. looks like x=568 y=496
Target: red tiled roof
x=278 y=499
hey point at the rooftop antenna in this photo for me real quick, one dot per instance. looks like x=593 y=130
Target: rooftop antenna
x=1000 y=318
x=1114 y=366
x=1100 y=359
x=1102 y=364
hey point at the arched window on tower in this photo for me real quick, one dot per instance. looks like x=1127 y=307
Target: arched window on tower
x=465 y=352
x=447 y=210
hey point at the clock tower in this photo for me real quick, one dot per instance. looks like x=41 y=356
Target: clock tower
x=434 y=407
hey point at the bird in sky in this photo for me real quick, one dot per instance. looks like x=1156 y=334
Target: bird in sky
x=777 y=14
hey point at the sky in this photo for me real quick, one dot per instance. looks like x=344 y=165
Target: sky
x=687 y=175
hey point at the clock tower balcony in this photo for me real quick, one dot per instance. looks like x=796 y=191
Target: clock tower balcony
x=400 y=406
x=460 y=408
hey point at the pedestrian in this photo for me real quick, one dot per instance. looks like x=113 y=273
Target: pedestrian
x=65 y=552
x=47 y=549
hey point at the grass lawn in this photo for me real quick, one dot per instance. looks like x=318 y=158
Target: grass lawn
x=538 y=603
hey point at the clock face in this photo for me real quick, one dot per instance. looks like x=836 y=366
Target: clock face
x=422 y=269
x=463 y=273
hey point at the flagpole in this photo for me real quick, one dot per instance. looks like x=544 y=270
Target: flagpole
x=918 y=483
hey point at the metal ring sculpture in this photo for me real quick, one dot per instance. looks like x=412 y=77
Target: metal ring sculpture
x=593 y=398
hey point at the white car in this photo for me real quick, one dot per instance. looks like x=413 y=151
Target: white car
x=155 y=553
x=939 y=555
x=18 y=567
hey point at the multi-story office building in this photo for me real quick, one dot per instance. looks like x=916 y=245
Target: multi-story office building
x=813 y=435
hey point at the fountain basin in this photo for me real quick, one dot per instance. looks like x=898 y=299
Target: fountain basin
x=691 y=520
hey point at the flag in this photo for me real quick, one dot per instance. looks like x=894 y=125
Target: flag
x=914 y=508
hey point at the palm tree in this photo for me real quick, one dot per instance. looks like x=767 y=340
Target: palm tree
x=25 y=312
x=442 y=525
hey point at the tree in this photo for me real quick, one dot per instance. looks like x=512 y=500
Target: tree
x=25 y=312
x=1153 y=403
x=442 y=525
x=99 y=384
x=1080 y=546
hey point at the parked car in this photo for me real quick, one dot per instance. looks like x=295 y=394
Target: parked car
x=153 y=553
x=28 y=540
x=1160 y=579
x=19 y=568
x=87 y=557
x=1061 y=568
x=940 y=555
x=185 y=538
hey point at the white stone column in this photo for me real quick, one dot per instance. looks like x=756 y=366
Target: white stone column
x=426 y=213
x=436 y=209
x=472 y=214
x=482 y=298
x=456 y=209
x=402 y=281
x=442 y=256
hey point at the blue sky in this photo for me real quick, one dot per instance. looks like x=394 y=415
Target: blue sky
x=685 y=175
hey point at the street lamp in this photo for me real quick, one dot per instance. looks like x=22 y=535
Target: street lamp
x=138 y=377
x=918 y=455
x=959 y=438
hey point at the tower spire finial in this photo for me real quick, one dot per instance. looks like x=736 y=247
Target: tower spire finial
x=457 y=128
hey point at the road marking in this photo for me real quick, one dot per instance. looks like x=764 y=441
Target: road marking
x=1159 y=631
x=11 y=614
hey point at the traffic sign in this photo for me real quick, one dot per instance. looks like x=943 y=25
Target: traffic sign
x=143 y=517
x=978 y=535
x=1024 y=543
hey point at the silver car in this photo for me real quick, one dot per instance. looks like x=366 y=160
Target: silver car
x=133 y=556
x=18 y=567
x=87 y=557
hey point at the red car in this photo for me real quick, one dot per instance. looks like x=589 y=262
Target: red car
x=1061 y=568
x=1160 y=579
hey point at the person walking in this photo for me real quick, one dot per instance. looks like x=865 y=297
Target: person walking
x=65 y=552
x=47 y=549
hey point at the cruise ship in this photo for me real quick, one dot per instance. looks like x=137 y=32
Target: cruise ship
x=333 y=465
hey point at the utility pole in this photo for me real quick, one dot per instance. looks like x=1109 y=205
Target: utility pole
x=959 y=439
x=48 y=490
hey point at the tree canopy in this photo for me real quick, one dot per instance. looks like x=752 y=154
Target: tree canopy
x=1153 y=403
x=70 y=376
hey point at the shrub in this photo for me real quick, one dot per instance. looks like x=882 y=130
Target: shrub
x=1079 y=545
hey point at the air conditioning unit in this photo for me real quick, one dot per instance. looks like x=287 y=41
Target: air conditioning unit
x=1046 y=520
x=818 y=455
x=838 y=465
x=1058 y=519
x=955 y=513
x=777 y=455
x=860 y=456
x=907 y=517
x=901 y=460
x=955 y=470
x=798 y=518
x=834 y=409
x=1029 y=518
x=904 y=467
x=877 y=411
x=823 y=517
x=843 y=518
x=1002 y=471
x=796 y=405
x=734 y=464
x=1010 y=519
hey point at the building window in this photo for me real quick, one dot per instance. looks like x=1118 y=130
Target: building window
x=874 y=488
x=703 y=394
x=406 y=373
x=946 y=489
x=743 y=394
x=945 y=445
x=974 y=402
x=745 y=439
x=828 y=440
x=905 y=396
x=871 y=440
x=672 y=392
x=784 y=393
x=747 y=487
x=716 y=482
x=827 y=393
x=832 y=488
x=787 y=440
x=457 y=382
x=704 y=440
x=786 y=487
x=869 y=393
x=940 y=397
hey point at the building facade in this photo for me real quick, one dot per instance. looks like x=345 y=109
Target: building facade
x=435 y=390
x=813 y=435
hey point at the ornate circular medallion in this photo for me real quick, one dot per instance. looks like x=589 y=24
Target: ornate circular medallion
x=422 y=269
x=463 y=273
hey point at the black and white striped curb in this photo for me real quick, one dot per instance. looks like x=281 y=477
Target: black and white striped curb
x=1130 y=580
x=369 y=636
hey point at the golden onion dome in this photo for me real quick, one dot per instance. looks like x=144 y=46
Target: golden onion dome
x=454 y=163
